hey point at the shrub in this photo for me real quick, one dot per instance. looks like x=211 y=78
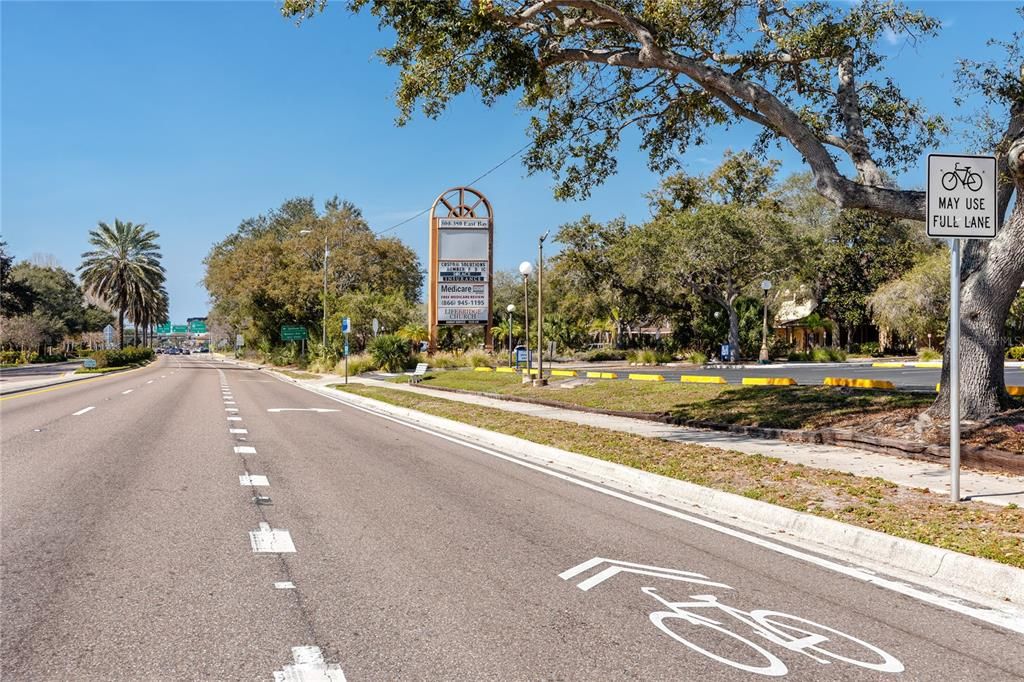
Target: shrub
x=390 y=352
x=827 y=354
x=870 y=348
x=447 y=360
x=10 y=357
x=819 y=354
x=122 y=358
x=1015 y=353
x=696 y=357
x=479 y=358
x=603 y=355
x=357 y=364
x=928 y=354
x=648 y=356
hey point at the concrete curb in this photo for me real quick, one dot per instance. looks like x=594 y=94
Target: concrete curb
x=937 y=568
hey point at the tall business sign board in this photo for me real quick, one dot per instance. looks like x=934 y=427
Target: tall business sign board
x=961 y=204
x=461 y=262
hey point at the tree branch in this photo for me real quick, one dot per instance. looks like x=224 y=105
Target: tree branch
x=849 y=108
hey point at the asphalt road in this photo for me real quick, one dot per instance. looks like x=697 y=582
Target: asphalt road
x=126 y=554
x=26 y=374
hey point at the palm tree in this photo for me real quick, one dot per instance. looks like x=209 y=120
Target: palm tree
x=124 y=269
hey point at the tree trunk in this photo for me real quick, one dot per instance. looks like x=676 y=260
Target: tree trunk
x=992 y=274
x=120 y=328
x=734 y=331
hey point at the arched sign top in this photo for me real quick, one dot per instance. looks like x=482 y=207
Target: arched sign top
x=461 y=202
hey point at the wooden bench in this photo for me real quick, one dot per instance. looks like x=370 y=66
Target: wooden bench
x=416 y=375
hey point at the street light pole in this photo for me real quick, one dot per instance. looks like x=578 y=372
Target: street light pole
x=525 y=268
x=541 y=381
x=510 y=309
x=765 y=286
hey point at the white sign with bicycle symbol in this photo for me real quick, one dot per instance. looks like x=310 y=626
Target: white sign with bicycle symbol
x=962 y=196
x=745 y=640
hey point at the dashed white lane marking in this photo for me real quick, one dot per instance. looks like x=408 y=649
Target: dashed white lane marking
x=163 y=376
x=238 y=430
x=284 y=585
x=83 y=411
x=127 y=392
x=234 y=419
x=230 y=402
x=268 y=539
x=245 y=450
x=231 y=409
x=253 y=480
x=150 y=381
x=308 y=666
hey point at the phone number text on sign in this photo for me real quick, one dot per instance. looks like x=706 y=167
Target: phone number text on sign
x=462 y=303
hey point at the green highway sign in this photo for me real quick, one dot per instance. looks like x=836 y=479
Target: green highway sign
x=293 y=333
x=164 y=328
x=179 y=329
x=197 y=327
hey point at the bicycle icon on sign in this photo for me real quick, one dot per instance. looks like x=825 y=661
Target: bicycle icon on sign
x=690 y=622
x=961 y=176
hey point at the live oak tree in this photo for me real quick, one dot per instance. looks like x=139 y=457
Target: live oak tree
x=808 y=74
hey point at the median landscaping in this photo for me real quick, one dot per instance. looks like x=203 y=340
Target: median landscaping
x=976 y=529
x=883 y=419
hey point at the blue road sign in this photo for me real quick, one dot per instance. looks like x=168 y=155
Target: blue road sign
x=346 y=325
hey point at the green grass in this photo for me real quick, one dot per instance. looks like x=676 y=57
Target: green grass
x=297 y=374
x=105 y=370
x=977 y=529
x=788 y=407
x=797 y=407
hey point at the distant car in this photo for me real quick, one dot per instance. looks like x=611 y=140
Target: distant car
x=186 y=351
x=159 y=351
x=173 y=351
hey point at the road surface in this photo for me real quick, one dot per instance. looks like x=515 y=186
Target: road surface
x=129 y=553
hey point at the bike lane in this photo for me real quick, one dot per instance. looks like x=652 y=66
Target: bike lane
x=417 y=557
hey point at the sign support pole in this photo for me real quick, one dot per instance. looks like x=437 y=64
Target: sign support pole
x=954 y=370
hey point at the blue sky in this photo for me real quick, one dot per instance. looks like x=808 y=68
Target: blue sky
x=192 y=116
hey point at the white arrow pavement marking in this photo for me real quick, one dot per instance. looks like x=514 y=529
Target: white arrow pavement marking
x=238 y=430
x=253 y=480
x=299 y=409
x=83 y=411
x=627 y=567
x=268 y=539
x=309 y=666
x=245 y=450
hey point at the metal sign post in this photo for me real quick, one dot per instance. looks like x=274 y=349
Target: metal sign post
x=346 y=327
x=961 y=201
x=954 y=370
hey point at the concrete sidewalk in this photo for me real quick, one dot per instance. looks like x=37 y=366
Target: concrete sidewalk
x=974 y=485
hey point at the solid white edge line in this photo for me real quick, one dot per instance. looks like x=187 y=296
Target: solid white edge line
x=1016 y=624
x=83 y=411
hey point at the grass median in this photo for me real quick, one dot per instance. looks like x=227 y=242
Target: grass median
x=784 y=407
x=977 y=529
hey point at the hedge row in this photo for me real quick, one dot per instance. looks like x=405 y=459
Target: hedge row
x=121 y=358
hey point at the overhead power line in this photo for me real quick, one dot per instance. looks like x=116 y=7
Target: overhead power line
x=468 y=184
